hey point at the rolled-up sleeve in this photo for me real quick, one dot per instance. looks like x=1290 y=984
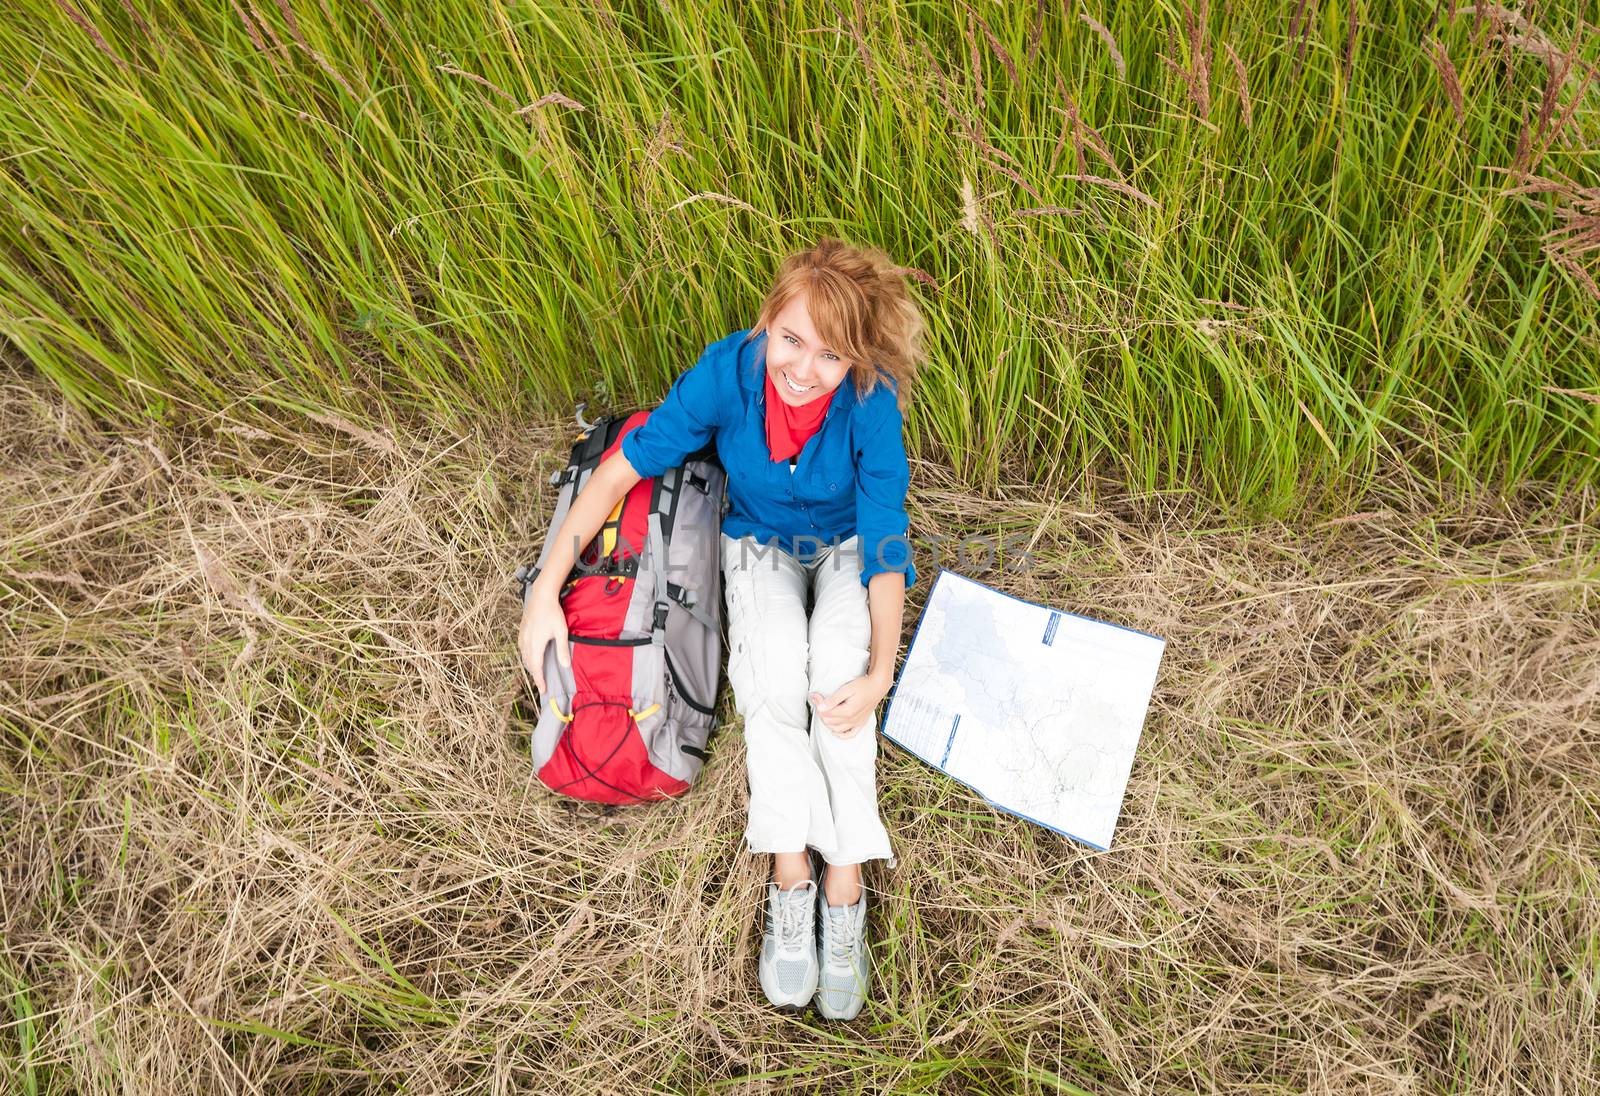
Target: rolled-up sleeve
x=882 y=478
x=686 y=420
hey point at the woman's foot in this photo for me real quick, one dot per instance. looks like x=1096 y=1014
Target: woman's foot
x=788 y=965
x=845 y=965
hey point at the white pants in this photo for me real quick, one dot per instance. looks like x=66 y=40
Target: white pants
x=808 y=787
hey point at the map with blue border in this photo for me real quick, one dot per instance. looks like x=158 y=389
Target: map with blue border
x=1036 y=710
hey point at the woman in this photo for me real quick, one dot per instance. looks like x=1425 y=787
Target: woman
x=805 y=408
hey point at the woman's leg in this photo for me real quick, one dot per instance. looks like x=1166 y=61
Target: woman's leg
x=842 y=884
x=765 y=590
x=839 y=635
x=790 y=869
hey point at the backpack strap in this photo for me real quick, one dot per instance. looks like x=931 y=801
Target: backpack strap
x=687 y=599
x=587 y=450
x=668 y=484
x=658 y=566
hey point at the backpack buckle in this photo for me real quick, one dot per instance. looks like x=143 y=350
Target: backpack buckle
x=682 y=595
x=524 y=578
x=626 y=567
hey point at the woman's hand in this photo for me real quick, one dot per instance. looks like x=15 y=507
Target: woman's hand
x=848 y=709
x=543 y=620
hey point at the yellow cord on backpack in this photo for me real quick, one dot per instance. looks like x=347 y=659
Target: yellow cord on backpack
x=608 y=531
x=637 y=716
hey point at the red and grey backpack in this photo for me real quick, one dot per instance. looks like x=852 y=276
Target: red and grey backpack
x=630 y=720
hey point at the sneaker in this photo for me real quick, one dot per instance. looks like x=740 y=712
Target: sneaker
x=788 y=965
x=843 y=980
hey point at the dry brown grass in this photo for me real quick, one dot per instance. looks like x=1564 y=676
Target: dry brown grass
x=268 y=824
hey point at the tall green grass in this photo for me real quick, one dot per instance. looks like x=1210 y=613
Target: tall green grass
x=1260 y=251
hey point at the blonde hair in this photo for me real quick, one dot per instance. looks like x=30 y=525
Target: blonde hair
x=860 y=304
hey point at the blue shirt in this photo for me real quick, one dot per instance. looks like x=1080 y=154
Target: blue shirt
x=851 y=477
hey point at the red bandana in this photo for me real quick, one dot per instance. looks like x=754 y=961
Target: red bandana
x=789 y=428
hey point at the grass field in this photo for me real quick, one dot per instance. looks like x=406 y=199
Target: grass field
x=1253 y=253
x=1273 y=327
x=269 y=824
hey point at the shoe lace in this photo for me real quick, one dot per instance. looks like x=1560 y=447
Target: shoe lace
x=793 y=905
x=844 y=934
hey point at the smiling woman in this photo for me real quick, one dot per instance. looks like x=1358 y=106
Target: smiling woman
x=807 y=370
x=817 y=481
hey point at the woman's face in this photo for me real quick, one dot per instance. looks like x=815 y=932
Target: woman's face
x=801 y=368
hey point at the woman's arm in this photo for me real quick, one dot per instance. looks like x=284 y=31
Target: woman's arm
x=542 y=618
x=613 y=479
x=886 y=603
x=882 y=479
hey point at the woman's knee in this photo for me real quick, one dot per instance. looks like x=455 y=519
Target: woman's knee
x=839 y=639
x=767 y=659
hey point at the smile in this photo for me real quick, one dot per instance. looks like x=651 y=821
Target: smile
x=796 y=389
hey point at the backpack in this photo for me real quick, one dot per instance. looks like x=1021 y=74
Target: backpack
x=631 y=719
